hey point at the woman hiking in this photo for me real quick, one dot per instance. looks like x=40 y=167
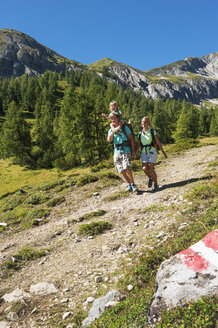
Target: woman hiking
x=147 y=139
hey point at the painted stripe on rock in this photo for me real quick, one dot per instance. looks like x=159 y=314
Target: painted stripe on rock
x=193 y=261
x=207 y=253
x=211 y=240
x=199 y=256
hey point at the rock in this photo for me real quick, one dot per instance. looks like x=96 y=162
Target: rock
x=5 y=324
x=65 y=300
x=98 y=279
x=187 y=276
x=99 y=306
x=66 y=315
x=95 y=194
x=17 y=295
x=130 y=287
x=20 y=54
x=43 y=288
x=111 y=304
x=12 y=316
x=90 y=299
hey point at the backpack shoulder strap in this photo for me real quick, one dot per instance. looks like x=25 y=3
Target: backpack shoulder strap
x=154 y=141
x=124 y=131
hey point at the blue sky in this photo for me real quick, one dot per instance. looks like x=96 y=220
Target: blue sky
x=144 y=34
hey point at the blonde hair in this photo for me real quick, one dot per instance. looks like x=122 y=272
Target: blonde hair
x=114 y=103
x=148 y=120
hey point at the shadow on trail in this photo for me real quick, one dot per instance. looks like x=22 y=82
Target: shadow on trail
x=176 y=184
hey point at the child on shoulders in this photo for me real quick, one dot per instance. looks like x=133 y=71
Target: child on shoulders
x=114 y=109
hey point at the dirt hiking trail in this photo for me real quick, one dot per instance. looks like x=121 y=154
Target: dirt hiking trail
x=73 y=261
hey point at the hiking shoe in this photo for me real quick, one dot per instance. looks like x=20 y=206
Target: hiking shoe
x=134 y=187
x=156 y=187
x=129 y=188
x=150 y=183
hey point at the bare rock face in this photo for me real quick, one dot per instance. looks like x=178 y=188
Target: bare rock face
x=192 y=79
x=21 y=54
x=187 y=276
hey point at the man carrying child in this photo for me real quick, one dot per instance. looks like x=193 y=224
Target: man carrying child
x=123 y=148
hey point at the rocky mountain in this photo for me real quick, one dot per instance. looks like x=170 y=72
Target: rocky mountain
x=192 y=79
x=20 y=54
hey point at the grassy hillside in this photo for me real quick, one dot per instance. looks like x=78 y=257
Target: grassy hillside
x=28 y=197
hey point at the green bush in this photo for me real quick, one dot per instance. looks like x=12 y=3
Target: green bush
x=200 y=314
x=13 y=201
x=116 y=195
x=203 y=191
x=92 y=215
x=26 y=254
x=183 y=145
x=102 y=165
x=56 y=201
x=31 y=218
x=94 y=228
x=38 y=198
x=85 y=179
x=109 y=176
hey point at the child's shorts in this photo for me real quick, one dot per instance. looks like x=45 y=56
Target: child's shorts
x=149 y=157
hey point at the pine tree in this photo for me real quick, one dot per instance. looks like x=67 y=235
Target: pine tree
x=69 y=129
x=187 y=124
x=45 y=138
x=214 y=124
x=15 y=137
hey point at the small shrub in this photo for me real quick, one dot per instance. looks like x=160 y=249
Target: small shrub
x=213 y=164
x=26 y=254
x=193 y=314
x=94 y=228
x=32 y=216
x=56 y=201
x=92 y=215
x=154 y=208
x=117 y=195
x=85 y=179
x=103 y=165
x=13 y=201
x=38 y=198
x=50 y=185
x=183 y=145
x=204 y=191
x=109 y=176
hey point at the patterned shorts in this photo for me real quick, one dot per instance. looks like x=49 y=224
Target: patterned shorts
x=122 y=162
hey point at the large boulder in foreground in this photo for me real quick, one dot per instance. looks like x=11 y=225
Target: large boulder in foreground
x=187 y=276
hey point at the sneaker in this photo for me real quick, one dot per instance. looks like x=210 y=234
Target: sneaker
x=156 y=187
x=150 y=183
x=134 y=187
x=129 y=188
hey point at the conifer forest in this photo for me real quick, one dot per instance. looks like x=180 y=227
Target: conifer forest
x=55 y=120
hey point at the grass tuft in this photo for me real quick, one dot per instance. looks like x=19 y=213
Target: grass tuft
x=94 y=228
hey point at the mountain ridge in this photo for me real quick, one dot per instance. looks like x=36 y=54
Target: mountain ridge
x=193 y=79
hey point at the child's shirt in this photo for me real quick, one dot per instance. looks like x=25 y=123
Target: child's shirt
x=118 y=112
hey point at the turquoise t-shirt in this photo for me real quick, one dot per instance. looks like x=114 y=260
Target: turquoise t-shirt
x=146 y=139
x=119 y=138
